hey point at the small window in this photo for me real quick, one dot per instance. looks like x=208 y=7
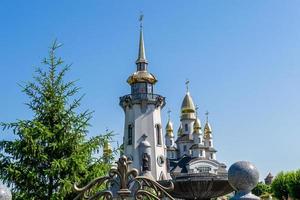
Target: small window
x=210 y=143
x=149 y=88
x=184 y=147
x=199 y=140
x=158 y=134
x=186 y=127
x=201 y=153
x=129 y=141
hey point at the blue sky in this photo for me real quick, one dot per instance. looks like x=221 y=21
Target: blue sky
x=242 y=59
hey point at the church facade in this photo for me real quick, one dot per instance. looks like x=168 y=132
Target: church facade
x=155 y=152
x=192 y=152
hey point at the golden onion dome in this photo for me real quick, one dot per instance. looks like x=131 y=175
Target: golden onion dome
x=197 y=125
x=180 y=131
x=107 y=150
x=141 y=77
x=187 y=107
x=207 y=130
x=169 y=129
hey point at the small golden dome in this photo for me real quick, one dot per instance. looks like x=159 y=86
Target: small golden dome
x=187 y=107
x=107 y=150
x=197 y=125
x=169 y=129
x=141 y=77
x=207 y=130
x=180 y=131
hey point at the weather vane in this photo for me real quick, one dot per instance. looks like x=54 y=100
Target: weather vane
x=187 y=85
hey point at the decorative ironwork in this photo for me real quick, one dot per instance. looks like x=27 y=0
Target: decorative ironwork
x=124 y=183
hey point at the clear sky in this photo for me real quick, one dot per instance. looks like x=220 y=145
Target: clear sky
x=242 y=59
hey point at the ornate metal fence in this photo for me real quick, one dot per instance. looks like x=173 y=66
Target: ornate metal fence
x=124 y=183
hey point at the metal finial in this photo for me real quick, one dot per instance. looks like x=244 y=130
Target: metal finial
x=207 y=113
x=196 y=110
x=187 y=85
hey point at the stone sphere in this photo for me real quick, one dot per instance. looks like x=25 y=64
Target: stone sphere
x=5 y=193
x=243 y=176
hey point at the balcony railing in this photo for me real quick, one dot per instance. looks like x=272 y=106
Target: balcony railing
x=141 y=96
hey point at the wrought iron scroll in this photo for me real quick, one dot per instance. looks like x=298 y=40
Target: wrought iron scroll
x=128 y=185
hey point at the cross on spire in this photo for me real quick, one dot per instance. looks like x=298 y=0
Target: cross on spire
x=141 y=20
x=187 y=85
x=169 y=112
x=207 y=113
x=197 y=110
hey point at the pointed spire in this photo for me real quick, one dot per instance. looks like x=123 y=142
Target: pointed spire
x=141 y=54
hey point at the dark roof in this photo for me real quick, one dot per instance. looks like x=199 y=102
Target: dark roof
x=172 y=148
x=198 y=146
x=212 y=149
x=184 y=138
x=179 y=166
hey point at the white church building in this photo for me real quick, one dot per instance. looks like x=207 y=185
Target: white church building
x=156 y=152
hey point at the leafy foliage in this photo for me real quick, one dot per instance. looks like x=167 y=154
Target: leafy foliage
x=50 y=152
x=280 y=186
x=261 y=189
x=294 y=184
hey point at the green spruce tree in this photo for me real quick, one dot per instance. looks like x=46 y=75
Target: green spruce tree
x=50 y=152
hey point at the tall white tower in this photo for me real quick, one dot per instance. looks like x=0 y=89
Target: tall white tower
x=143 y=138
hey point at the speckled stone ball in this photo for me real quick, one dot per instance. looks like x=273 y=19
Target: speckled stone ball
x=5 y=193
x=243 y=176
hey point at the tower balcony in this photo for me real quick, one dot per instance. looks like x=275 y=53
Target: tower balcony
x=139 y=98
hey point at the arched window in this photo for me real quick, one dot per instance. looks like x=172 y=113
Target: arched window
x=186 y=127
x=129 y=141
x=158 y=134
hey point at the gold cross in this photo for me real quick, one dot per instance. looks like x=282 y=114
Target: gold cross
x=169 y=112
x=187 y=85
x=141 y=19
x=197 y=110
x=207 y=113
